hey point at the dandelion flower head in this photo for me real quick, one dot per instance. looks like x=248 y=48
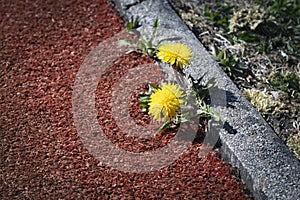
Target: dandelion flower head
x=178 y=54
x=165 y=102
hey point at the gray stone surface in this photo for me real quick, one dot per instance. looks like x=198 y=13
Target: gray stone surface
x=248 y=143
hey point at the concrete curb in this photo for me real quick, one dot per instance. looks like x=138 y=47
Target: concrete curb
x=265 y=164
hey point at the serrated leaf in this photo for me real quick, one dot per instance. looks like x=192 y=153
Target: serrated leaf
x=144 y=99
x=129 y=26
x=154 y=86
x=166 y=125
x=156 y=23
x=221 y=55
x=143 y=104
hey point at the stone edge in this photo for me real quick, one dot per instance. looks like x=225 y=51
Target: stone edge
x=265 y=164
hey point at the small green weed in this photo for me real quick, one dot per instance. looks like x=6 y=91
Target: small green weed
x=286 y=81
x=145 y=44
x=219 y=14
x=231 y=65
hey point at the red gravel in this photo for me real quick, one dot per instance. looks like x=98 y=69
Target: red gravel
x=43 y=44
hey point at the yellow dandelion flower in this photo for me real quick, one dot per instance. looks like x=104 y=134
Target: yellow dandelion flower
x=178 y=54
x=165 y=102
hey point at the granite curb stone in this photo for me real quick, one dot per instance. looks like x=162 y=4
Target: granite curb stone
x=265 y=164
